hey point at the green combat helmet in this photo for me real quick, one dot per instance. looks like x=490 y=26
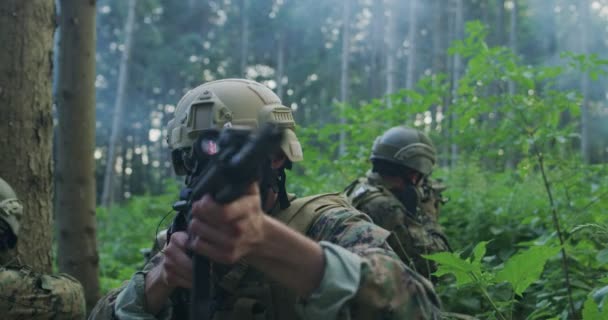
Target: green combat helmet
x=10 y=210
x=405 y=147
x=226 y=103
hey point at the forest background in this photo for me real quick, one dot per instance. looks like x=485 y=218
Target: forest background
x=513 y=93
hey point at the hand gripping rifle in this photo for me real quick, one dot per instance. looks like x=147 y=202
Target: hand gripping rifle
x=224 y=166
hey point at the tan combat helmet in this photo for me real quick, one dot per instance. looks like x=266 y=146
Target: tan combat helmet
x=406 y=147
x=226 y=103
x=10 y=207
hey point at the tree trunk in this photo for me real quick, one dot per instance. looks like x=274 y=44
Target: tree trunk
x=123 y=71
x=511 y=158
x=280 y=63
x=244 y=36
x=344 y=80
x=457 y=69
x=438 y=33
x=26 y=124
x=500 y=23
x=411 y=36
x=75 y=211
x=374 y=80
x=513 y=39
x=391 y=40
x=584 y=83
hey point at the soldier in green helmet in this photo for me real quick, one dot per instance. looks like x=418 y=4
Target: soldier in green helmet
x=400 y=197
x=25 y=294
x=285 y=257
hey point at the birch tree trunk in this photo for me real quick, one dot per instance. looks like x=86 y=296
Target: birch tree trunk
x=75 y=210
x=344 y=80
x=391 y=40
x=119 y=102
x=411 y=57
x=26 y=124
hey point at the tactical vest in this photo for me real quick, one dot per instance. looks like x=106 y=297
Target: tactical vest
x=412 y=238
x=250 y=295
x=360 y=192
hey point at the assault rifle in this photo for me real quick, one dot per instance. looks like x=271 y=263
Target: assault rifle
x=223 y=165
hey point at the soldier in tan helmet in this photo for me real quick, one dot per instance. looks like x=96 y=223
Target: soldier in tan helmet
x=400 y=197
x=25 y=294
x=286 y=257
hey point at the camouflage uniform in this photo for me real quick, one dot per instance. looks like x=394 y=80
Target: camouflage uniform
x=383 y=288
x=363 y=277
x=416 y=234
x=25 y=294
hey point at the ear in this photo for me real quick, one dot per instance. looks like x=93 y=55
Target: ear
x=277 y=160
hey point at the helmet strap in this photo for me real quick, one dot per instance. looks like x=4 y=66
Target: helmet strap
x=273 y=179
x=283 y=199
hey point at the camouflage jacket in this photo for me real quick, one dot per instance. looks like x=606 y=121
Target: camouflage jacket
x=415 y=234
x=384 y=287
x=25 y=294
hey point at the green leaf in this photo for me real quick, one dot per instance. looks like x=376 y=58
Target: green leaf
x=522 y=269
x=452 y=263
x=600 y=296
x=591 y=311
x=602 y=256
x=479 y=252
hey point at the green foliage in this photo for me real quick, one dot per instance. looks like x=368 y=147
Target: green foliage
x=591 y=311
x=524 y=268
x=520 y=271
x=123 y=231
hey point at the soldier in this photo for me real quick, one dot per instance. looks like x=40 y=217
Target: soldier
x=25 y=294
x=282 y=258
x=398 y=195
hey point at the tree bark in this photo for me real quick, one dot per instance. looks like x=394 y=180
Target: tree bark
x=26 y=124
x=344 y=80
x=411 y=57
x=75 y=211
x=123 y=72
x=391 y=40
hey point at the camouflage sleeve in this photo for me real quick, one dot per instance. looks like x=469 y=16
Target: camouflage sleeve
x=412 y=236
x=25 y=294
x=387 y=289
x=112 y=305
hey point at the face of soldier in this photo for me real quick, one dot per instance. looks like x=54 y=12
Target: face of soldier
x=8 y=240
x=268 y=185
x=409 y=192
